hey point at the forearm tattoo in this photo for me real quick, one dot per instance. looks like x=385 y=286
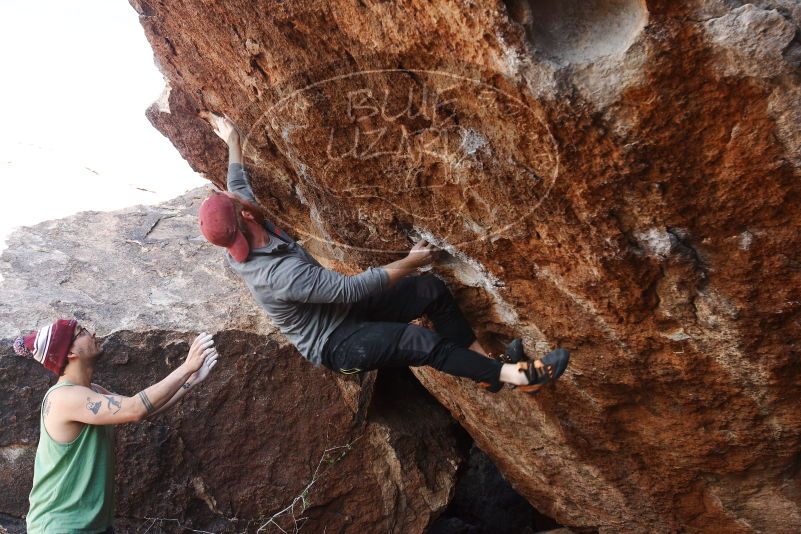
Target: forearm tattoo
x=148 y=406
x=186 y=385
x=93 y=406
x=113 y=403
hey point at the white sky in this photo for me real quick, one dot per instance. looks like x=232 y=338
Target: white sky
x=75 y=80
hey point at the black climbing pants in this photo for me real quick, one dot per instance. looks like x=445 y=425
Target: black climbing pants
x=376 y=333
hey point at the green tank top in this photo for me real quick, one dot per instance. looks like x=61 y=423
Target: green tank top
x=73 y=483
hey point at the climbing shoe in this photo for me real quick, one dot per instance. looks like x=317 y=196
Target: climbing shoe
x=512 y=354
x=514 y=351
x=492 y=388
x=553 y=365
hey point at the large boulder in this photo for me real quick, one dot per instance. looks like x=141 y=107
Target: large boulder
x=619 y=177
x=267 y=434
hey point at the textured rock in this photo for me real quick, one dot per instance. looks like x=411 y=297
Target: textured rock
x=245 y=443
x=618 y=177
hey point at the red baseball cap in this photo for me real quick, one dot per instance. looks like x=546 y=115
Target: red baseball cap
x=217 y=217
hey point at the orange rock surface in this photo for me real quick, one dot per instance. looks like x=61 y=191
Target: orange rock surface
x=618 y=177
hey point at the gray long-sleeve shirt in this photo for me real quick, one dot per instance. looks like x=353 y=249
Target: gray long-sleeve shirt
x=302 y=298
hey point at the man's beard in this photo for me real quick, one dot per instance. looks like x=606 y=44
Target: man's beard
x=243 y=227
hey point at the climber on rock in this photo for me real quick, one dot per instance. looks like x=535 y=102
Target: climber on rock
x=354 y=323
x=73 y=476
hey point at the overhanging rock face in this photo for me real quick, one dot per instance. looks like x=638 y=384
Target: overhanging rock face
x=264 y=430
x=619 y=177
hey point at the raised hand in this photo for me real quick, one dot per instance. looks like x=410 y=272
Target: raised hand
x=201 y=374
x=422 y=253
x=222 y=126
x=202 y=347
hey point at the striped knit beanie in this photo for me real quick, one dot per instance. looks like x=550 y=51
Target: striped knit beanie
x=48 y=346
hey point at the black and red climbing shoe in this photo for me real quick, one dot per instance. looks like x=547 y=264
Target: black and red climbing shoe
x=553 y=365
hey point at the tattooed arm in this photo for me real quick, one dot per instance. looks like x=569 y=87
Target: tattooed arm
x=196 y=378
x=84 y=405
x=183 y=390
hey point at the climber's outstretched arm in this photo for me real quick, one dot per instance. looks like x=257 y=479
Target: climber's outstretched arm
x=234 y=143
x=225 y=129
x=422 y=254
x=238 y=180
x=194 y=379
